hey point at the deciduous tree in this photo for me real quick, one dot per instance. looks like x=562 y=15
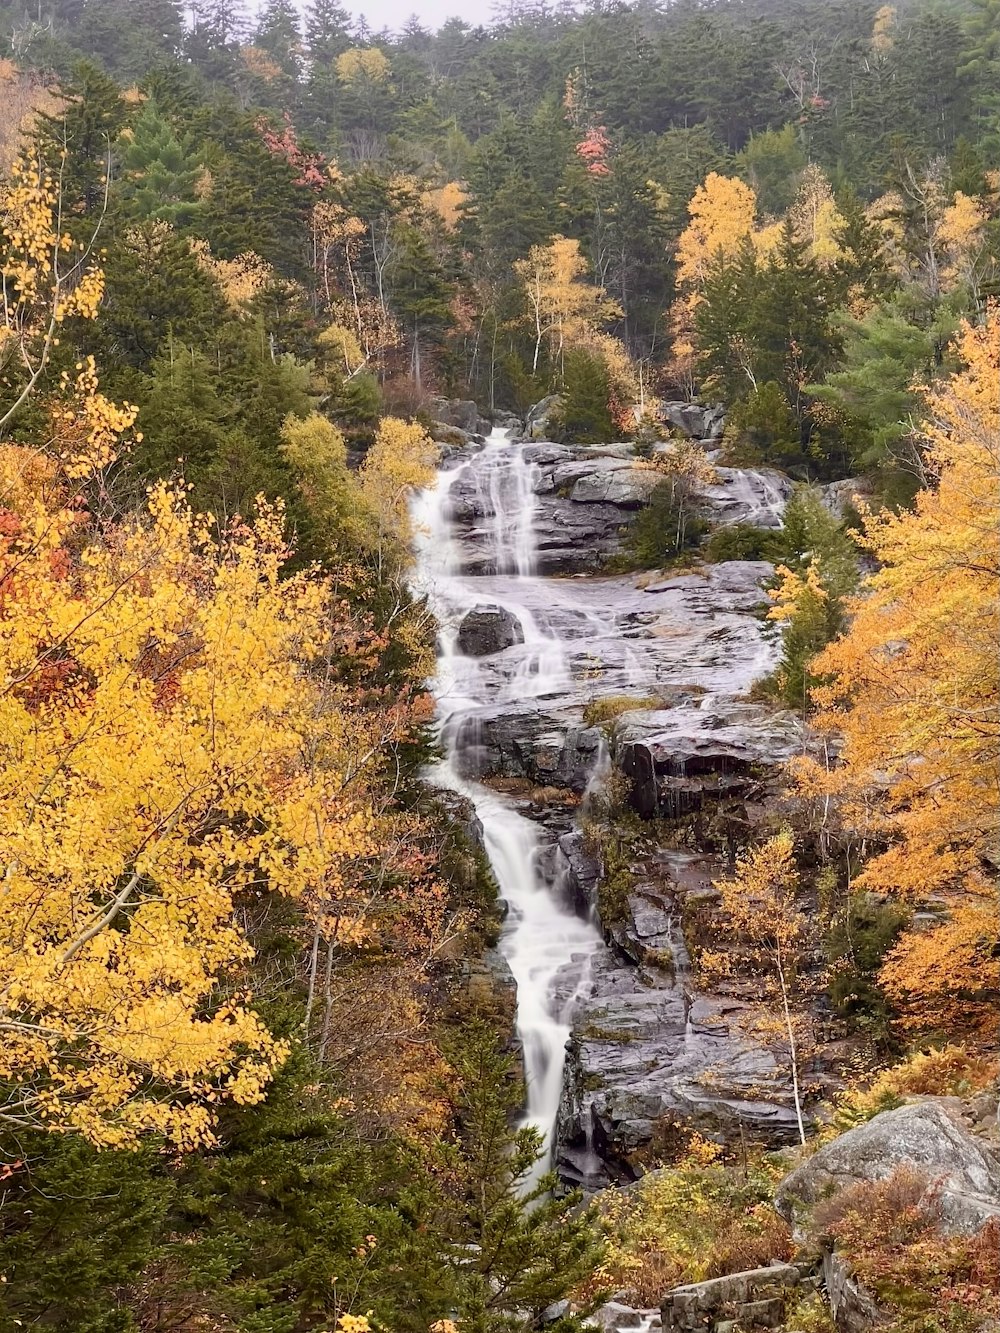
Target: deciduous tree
x=913 y=691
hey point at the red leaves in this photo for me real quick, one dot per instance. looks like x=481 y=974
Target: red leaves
x=310 y=167
x=594 y=149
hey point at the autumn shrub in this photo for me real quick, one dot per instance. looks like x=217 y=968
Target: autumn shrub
x=889 y=1233
x=698 y=1221
x=951 y=1071
x=612 y=706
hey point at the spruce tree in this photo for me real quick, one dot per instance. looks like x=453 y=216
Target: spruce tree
x=518 y=1249
x=160 y=172
x=278 y=34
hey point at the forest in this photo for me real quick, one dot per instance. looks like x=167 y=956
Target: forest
x=267 y=273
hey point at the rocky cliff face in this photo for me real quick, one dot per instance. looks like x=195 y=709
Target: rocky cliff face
x=648 y=1053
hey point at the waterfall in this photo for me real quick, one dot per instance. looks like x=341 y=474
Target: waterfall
x=547 y=947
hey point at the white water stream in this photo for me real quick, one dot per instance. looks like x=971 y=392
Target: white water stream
x=547 y=947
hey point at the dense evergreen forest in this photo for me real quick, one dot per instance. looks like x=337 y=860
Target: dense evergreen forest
x=255 y=1074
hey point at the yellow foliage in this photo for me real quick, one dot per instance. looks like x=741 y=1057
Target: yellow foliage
x=913 y=692
x=341 y=344
x=259 y=65
x=565 y=308
x=883 y=30
x=401 y=461
x=447 y=201
x=355 y=1323
x=687 y=1224
x=962 y=236
x=793 y=592
x=815 y=217
x=952 y=1071
x=240 y=279
x=48 y=278
x=723 y=211
x=342 y=512
x=87 y=428
x=684 y=461
x=363 y=63
x=165 y=746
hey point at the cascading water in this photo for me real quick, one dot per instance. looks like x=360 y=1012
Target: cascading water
x=481 y=533
x=547 y=946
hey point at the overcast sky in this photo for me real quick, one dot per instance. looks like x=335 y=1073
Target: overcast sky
x=431 y=13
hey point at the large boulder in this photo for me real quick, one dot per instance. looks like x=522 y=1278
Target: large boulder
x=538 y=424
x=460 y=412
x=488 y=629
x=927 y=1136
x=693 y=420
x=848 y=493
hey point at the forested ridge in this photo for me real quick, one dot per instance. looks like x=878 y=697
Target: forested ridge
x=262 y=272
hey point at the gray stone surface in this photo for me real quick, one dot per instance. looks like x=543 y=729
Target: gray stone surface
x=488 y=629
x=675 y=759
x=628 y=487
x=853 y=1308
x=754 y=1298
x=962 y=1171
x=646 y=1049
x=538 y=423
x=693 y=420
x=839 y=496
x=460 y=412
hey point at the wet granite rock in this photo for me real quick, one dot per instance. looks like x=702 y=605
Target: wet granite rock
x=627 y=487
x=756 y=496
x=462 y=413
x=677 y=759
x=646 y=1053
x=754 y=1298
x=617 y=1315
x=929 y=1136
x=488 y=629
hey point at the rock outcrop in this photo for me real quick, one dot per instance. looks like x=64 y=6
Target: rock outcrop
x=693 y=420
x=928 y=1136
x=540 y=420
x=677 y=759
x=460 y=412
x=752 y=1299
x=649 y=1055
x=488 y=629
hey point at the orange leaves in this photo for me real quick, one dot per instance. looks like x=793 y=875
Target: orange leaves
x=914 y=688
x=594 y=148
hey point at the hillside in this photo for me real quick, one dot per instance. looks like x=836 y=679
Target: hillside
x=499 y=761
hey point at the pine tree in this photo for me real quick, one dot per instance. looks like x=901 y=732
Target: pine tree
x=160 y=172
x=328 y=31
x=86 y=129
x=982 y=27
